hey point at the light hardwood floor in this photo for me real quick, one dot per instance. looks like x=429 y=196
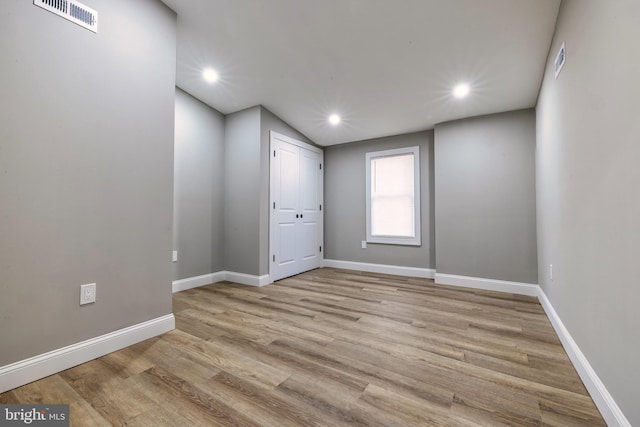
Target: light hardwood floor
x=333 y=348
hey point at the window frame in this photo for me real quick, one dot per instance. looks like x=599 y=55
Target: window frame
x=395 y=240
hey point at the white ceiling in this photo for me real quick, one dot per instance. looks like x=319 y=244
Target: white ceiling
x=386 y=66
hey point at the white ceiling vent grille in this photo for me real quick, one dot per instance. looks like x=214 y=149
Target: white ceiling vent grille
x=73 y=11
x=561 y=58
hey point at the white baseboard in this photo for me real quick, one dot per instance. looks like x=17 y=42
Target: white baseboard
x=220 y=276
x=487 y=284
x=425 y=273
x=247 y=279
x=37 y=367
x=599 y=393
x=194 y=282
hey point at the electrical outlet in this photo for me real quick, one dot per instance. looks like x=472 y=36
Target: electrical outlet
x=87 y=293
x=364 y=244
x=175 y=256
x=551 y=272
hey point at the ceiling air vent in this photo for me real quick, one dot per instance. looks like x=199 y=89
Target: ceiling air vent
x=73 y=11
x=561 y=58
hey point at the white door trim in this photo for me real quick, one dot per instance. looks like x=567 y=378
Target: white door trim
x=276 y=135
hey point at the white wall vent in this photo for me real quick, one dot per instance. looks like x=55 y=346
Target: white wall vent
x=561 y=58
x=73 y=11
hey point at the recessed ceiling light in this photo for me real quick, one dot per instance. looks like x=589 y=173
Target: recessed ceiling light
x=461 y=90
x=334 y=119
x=210 y=75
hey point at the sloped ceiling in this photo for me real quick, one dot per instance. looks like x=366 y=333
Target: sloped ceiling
x=385 y=66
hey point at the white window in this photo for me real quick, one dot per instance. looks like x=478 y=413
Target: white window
x=393 y=196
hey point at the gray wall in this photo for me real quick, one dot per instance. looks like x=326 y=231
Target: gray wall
x=344 y=195
x=587 y=180
x=242 y=192
x=86 y=160
x=246 y=227
x=485 y=197
x=198 y=223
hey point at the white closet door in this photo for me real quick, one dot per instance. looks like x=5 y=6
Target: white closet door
x=295 y=206
x=309 y=256
x=285 y=173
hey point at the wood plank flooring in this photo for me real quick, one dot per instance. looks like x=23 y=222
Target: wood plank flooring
x=333 y=348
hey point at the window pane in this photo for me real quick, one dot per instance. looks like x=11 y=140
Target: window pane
x=392 y=175
x=392 y=216
x=392 y=196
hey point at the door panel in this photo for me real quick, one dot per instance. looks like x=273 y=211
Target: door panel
x=309 y=164
x=289 y=172
x=286 y=243
x=309 y=242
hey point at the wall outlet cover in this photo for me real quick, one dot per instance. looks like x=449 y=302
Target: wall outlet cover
x=175 y=256
x=87 y=293
x=364 y=244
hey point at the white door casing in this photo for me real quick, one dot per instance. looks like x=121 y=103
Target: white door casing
x=296 y=191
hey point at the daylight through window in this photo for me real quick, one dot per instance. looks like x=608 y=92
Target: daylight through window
x=393 y=196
